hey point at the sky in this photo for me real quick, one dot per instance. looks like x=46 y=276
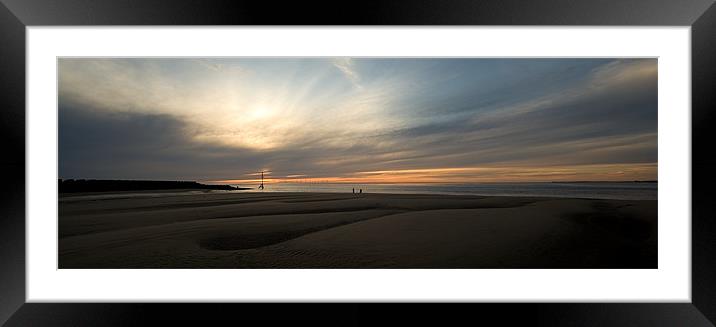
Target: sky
x=358 y=120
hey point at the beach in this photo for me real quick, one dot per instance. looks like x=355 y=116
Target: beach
x=342 y=230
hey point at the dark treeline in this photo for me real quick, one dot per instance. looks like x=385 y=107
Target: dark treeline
x=100 y=185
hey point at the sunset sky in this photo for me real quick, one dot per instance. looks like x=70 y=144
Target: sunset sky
x=358 y=120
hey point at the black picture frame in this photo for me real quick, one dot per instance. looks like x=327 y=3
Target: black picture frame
x=16 y=15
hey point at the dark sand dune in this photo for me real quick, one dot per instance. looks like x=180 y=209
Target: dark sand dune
x=313 y=230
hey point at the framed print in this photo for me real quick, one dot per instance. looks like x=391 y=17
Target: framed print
x=542 y=173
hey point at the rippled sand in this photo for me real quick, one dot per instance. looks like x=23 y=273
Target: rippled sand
x=330 y=230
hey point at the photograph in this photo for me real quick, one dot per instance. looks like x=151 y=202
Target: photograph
x=357 y=162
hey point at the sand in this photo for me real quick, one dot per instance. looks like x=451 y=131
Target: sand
x=330 y=230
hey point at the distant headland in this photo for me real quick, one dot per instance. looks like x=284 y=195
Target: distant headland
x=107 y=185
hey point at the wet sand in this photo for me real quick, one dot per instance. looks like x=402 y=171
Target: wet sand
x=331 y=230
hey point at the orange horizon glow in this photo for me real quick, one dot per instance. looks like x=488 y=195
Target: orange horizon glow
x=607 y=172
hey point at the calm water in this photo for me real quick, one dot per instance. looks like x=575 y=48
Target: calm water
x=605 y=190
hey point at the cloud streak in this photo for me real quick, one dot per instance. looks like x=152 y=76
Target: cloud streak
x=345 y=65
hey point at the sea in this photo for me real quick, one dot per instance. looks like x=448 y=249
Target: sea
x=590 y=190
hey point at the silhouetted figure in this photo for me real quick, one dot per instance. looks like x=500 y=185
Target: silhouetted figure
x=354 y=190
x=361 y=191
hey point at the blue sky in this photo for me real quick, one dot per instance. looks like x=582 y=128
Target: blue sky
x=358 y=119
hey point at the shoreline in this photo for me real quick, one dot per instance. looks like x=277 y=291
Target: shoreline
x=181 y=192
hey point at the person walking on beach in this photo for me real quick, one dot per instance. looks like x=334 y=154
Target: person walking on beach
x=354 y=190
x=361 y=191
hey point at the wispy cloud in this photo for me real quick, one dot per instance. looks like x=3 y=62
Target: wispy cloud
x=346 y=66
x=220 y=65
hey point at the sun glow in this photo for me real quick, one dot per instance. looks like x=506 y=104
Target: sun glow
x=261 y=112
